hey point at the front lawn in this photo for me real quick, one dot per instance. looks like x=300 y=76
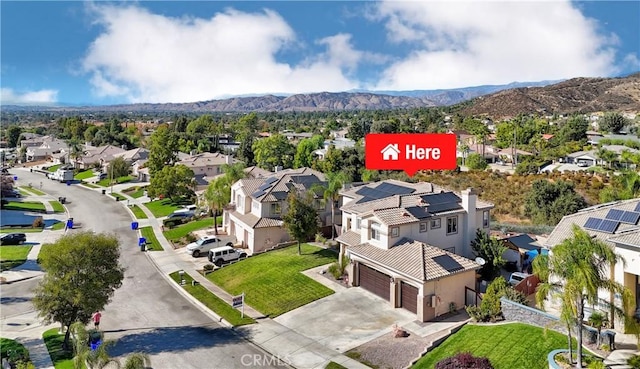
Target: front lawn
x=507 y=346
x=182 y=230
x=61 y=359
x=20 y=229
x=13 y=256
x=34 y=206
x=90 y=185
x=58 y=225
x=84 y=175
x=152 y=241
x=107 y=181
x=32 y=190
x=162 y=208
x=135 y=191
x=213 y=302
x=272 y=281
x=13 y=350
x=57 y=206
x=138 y=213
x=53 y=168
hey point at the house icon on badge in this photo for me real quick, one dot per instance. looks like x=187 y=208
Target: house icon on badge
x=390 y=152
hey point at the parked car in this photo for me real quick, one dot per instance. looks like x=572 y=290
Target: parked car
x=102 y=176
x=202 y=246
x=517 y=277
x=225 y=254
x=186 y=209
x=178 y=218
x=13 y=239
x=582 y=164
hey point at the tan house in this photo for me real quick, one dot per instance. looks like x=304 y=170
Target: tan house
x=97 y=155
x=254 y=216
x=47 y=147
x=391 y=220
x=207 y=163
x=618 y=225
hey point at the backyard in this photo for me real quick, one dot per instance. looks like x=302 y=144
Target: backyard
x=13 y=256
x=272 y=281
x=507 y=346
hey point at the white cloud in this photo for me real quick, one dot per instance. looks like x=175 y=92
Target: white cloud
x=42 y=97
x=147 y=57
x=458 y=44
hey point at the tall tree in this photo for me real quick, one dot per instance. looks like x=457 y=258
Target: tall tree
x=579 y=267
x=13 y=135
x=233 y=173
x=547 y=202
x=82 y=274
x=162 y=149
x=330 y=191
x=273 y=151
x=492 y=251
x=304 y=151
x=612 y=122
x=118 y=167
x=174 y=181
x=301 y=219
x=217 y=195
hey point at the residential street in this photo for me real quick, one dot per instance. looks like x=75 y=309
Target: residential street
x=146 y=314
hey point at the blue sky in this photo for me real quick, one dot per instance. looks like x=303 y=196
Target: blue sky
x=55 y=52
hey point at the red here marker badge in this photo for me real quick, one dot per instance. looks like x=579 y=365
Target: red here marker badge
x=410 y=152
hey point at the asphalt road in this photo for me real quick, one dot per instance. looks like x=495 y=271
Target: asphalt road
x=146 y=313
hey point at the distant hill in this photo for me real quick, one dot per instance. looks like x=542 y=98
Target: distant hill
x=324 y=101
x=577 y=95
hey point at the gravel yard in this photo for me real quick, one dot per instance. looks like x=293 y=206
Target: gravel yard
x=388 y=352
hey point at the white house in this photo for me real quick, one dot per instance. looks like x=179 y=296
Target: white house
x=254 y=215
x=616 y=224
x=390 y=228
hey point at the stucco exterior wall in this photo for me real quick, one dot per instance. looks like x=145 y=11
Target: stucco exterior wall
x=448 y=290
x=265 y=238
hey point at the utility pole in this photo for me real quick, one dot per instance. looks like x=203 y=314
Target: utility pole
x=514 y=157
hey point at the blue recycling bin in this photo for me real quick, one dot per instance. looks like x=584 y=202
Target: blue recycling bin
x=68 y=183
x=134 y=225
x=142 y=241
x=15 y=178
x=70 y=223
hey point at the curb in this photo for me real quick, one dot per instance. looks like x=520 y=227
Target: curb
x=16 y=280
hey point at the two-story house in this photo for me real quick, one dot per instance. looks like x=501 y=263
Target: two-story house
x=618 y=225
x=410 y=243
x=207 y=163
x=254 y=215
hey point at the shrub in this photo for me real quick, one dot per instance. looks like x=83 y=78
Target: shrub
x=596 y=364
x=208 y=267
x=634 y=362
x=38 y=223
x=335 y=271
x=464 y=361
x=321 y=238
x=490 y=308
x=189 y=237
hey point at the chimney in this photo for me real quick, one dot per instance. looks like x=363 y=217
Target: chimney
x=124 y=147
x=228 y=159
x=469 y=198
x=277 y=168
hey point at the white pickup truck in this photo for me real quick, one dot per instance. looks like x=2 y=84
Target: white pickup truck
x=62 y=175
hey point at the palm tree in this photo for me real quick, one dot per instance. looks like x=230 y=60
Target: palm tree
x=217 y=195
x=84 y=357
x=75 y=150
x=331 y=192
x=233 y=172
x=579 y=267
x=597 y=321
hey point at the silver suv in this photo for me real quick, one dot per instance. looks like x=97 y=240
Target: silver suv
x=225 y=254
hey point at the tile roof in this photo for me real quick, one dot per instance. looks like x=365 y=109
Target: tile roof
x=416 y=260
x=248 y=219
x=350 y=238
x=563 y=230
x=269 y=222
x=205 y=159
x=277 y=186
x=256 y=172
x=631 y=238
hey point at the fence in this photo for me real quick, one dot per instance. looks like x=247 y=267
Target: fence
x=472 y=297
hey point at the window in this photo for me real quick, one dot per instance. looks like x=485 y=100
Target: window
x=423 y=227
x=375 y=231
x=358 y=223
x=435 y=223
x=275 y=208
x=485 y=219
x=395 y=231
x=452 y=225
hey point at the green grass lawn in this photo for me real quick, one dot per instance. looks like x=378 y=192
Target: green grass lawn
x=118 y=196
x=13 y=350
x=333 y=365
x=137 y=211
x=34 y=206
x=90 y=185
x=180 y=231
x=32 y=191
x=107 y=181
x=20 y=230
x=84 y=175
x=13 y=256
x=58 y=225
x=61 y=359
x=152 y=241
x=24 y=192
x=212 y=301
x=53 y=168
x=57 y=206
x=138 y=193
x=272 y=281
x=507 y=346
x=162 y=208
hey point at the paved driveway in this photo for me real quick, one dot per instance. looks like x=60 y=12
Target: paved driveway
x=346 y=319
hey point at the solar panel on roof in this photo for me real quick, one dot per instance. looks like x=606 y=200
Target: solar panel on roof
x=614 y=214
x=608 y=226
x=258 y=193
x=264 y=186
x=398 y=190
x=448 y=263
x=592 y=223
x=440 y=207
x=270 y=180
x=418 y=212
x=637 y=207
x=630 y=217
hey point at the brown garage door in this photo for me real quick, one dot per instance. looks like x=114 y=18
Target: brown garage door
x=374 y=281
x=409 y=297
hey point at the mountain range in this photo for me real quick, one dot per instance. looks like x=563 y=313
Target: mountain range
x=496 y=101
